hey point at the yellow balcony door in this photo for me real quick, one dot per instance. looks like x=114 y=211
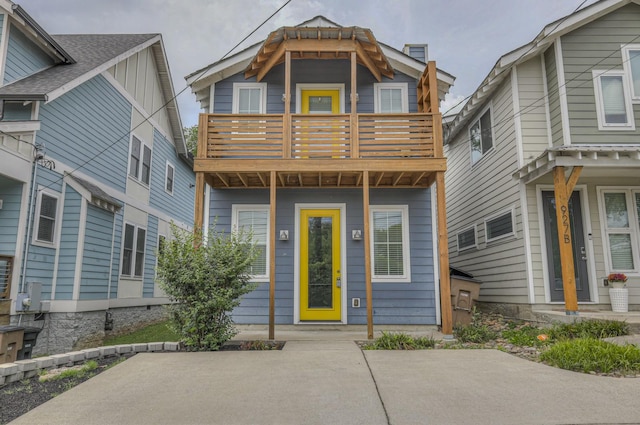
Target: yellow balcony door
x=320 y=101
x=320 y=278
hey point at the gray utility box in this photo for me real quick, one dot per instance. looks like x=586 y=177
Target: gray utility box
x=465 y=291
x=10 y=343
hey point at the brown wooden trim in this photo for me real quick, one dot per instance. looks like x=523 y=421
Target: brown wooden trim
x=443 y=254
x=203 y=126
x=367 y=253
x=287 y=106
x=271 y=62
x=199 y=202
x=272 y=254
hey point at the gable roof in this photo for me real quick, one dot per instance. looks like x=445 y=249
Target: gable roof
x=201 y=79
x=549 y=34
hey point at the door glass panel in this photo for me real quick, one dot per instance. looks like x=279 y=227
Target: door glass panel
x=320 y=104
x=320 y=262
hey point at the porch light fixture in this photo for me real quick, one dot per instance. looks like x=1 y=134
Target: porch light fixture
x=284 y=235
x=357 y=97
x=284 y=97
x=356 y=235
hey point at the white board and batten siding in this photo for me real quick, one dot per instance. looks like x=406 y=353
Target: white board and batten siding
x=533 y=111
x=481 y=191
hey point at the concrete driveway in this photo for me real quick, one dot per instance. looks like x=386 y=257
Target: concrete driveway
x=333 y=382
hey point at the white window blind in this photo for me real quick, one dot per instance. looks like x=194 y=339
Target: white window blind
x=618 y=231
x=388 y=243
x=613 y=99
x=390 y=100
x=47 y=218
x=255 y=219
x=249 y=100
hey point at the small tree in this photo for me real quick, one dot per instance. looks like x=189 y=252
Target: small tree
x=191 y=138
x=205 y=282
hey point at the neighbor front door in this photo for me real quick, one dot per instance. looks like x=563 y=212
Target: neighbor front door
x=320 y=278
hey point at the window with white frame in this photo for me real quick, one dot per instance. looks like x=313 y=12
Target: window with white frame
x=249 y=98
x=169 y=176
x=613 y=103
x=47 y=210
x=499 y=226
x=390 y=243
x=140 y=161
x=621 y=219
x=631 y=61
x=390 y=98
x=467 y=239
x=133 y=250
x=481 y=136
x=255 y=219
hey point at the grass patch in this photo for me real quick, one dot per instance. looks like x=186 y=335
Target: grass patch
x=85 y=370
x=475 y=332
x=593 y=355
x=588 y=329
x=526 y=336
x=160 y=332
x=400 y=341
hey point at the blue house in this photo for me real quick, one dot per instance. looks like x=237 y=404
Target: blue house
x=93 y=169
x=326 y=144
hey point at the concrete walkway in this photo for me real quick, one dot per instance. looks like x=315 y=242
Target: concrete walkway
x=332 y=381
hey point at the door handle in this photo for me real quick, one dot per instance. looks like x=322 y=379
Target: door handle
x=583 y=251
x=338 y=282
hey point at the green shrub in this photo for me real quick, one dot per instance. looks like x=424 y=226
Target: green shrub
x=593 y=355
x=205 y=281
x=588 y=329
x=526 y=336
x=400 y=341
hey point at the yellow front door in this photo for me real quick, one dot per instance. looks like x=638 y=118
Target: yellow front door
x=320 y=102
x=320 y=278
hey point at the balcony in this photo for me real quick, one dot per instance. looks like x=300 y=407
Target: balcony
x=333 y=150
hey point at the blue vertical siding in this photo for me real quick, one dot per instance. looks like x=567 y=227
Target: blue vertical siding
x=96 y=260
x=150 y=257
x=393 y=303
x=180 y=204
x=24 y=57
x=117 y=246
x=11 y=195
x=79 y=125
x=309 y=71
x=68 y=245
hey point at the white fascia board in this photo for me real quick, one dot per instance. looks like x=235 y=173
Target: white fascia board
x=217 y=72
x=578 y=19
x=51 y=96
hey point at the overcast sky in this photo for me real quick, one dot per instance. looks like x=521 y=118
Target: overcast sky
x=465 y=37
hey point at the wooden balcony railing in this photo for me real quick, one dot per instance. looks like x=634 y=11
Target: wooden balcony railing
x=340 y=136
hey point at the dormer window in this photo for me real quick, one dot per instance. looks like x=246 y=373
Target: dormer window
x=249 y=98
x=613 y=102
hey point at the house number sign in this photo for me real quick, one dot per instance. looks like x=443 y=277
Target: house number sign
x=565 y=224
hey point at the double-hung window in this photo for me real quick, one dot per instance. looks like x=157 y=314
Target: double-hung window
x=133 y=251
x=47 y=210
x=249 y=98
x=631 y=61
x=481 y=136
x=140 y=161
x=255 y=219
x=169 y=176
x=390 y=243
x=390 y=98
x=613 y=103
x=621 y=219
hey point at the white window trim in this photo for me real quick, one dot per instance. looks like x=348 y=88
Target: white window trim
x=493 y=135
x=166 y=175
x=136 y=227
x=633 y=230
x=597 y=87
x=406 y=245
x=56 y=223
x=511 y=211
x=475 y=238
x=403 y=90
x=138 y=177
x=318 y=86
x=235 y=209
x=235 y=105
x=626 y=63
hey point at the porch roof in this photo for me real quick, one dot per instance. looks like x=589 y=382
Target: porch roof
x=596 y=156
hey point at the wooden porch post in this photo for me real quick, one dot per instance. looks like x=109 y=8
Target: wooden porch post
x=287 y=105
x=443 y=251
x=563 y=189
x=367 y=253
x=355 y=138
x=272 y=254
x=198 y=219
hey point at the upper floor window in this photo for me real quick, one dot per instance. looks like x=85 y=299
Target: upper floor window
x=613 y=102
x=255 y=219
x=169 y=176
x=140 y=160
x=481 y=136
x=631 y=61
x=499 y=226
x=621 y=219
x=390 y=98
x=249 y=98
x=390 y=239
x=133 y=250
x=47 y=208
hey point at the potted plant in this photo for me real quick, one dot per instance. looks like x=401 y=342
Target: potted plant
x=618 y=292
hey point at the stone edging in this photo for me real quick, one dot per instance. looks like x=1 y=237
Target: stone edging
x=24 y=369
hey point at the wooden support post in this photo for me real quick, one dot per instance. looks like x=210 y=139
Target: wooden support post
x=443 y=251
x=272 y=255
x=367 y=252
x=287 y=105
x=562 y=190
x=355 y=137
x=198 y=219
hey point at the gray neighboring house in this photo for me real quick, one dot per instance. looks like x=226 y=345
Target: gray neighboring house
x=570 y=98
